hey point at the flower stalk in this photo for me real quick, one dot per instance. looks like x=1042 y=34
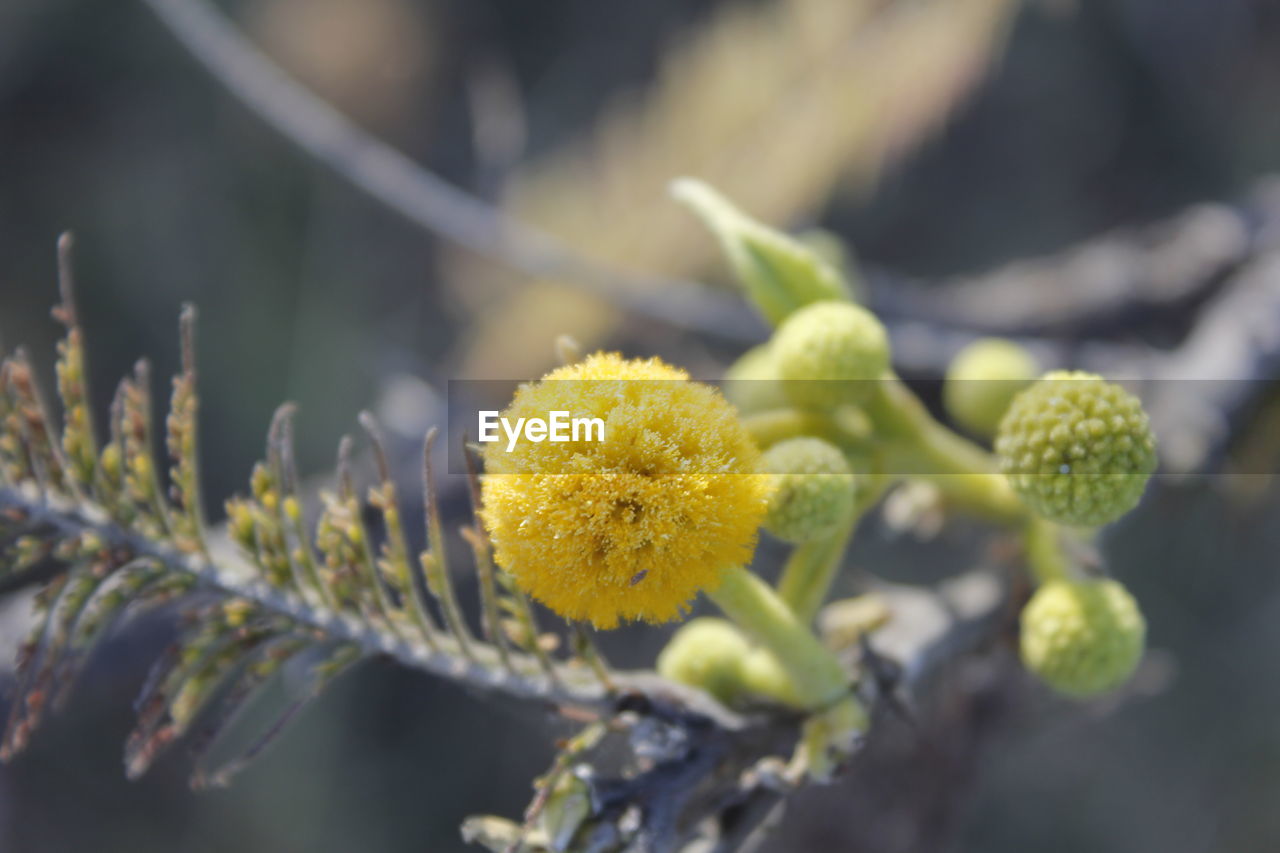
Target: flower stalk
x=819 y=680
x=1045 y=557
x=917 y=445
x=811 y=569
x=776 y=425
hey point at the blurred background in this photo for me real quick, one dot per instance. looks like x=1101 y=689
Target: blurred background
x=939 y=139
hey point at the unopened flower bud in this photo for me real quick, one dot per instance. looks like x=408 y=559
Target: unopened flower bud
x=1082 y=637
x=982 y=381
x=1078 y=449
x=707 y=653
x=830 y=353
x=812 y=489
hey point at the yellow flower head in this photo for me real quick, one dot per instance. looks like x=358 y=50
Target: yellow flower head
x=632 y=525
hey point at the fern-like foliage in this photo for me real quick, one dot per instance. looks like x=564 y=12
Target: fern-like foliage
x=271 y=592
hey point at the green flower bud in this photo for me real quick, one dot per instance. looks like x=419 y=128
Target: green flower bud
x=764 y=676
x=707 y=653
x=751 y=383
x=1078 y=449
x=839 y=347
x=812 y=490
x=982 y=381
x=1082 y=637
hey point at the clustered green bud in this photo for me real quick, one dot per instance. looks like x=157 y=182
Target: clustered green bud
x=829 y=353
x=751 y=382
x=812 y=489
x=1082 y=637
x=1077 y=449
x=982 y=381
x=707 y=653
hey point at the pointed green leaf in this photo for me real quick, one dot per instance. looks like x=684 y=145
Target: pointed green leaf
x=778 y=272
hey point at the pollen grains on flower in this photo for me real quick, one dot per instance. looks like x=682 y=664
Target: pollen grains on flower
x=632 y=526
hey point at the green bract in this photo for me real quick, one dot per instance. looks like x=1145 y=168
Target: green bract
x=812 y=489
x=1078 y=449
x=1082 y=638
x=778 y=272
x=983 y=379
x=828 y=353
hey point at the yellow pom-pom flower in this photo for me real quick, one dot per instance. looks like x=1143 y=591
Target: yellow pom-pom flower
x=632 y=525
x=1082 y=637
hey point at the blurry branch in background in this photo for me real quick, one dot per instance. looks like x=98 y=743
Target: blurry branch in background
x=419 y=195
x=499 y=131
x=729 y=89
x=823 y=89
x=774 y=104
x=1081 y=307
x=1104 y=284
x=1213 y=269
x=780 y=105
x=816 y=90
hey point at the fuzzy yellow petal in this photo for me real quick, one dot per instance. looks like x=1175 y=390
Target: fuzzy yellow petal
x=630 y=527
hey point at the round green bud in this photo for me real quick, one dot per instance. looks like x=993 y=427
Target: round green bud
x=1078 y=449
x=707 y=653
x=829 y=353
x=1082 y=637
x=812 y=489
x=763 y=675
x=751 y=383
x=982 y=381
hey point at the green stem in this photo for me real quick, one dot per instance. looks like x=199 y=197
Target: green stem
x=818 y=678
x=774 y=425
x=918 y=446
x=810 y=571
x=1043 y=542
x=1055 y=552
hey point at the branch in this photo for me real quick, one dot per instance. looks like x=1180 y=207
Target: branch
x=227 y=572
x=1052 y=303
x=1102 y=285
x=934 y=632
x=1230 y=357
x=1213 y=269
